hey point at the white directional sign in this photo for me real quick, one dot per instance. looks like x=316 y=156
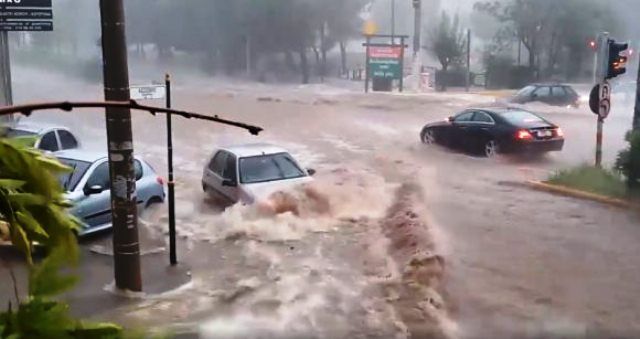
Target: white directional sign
x=605 y=100
x=148 y=92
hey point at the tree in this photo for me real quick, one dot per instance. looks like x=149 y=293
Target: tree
x=447 y=42
x=32 y=209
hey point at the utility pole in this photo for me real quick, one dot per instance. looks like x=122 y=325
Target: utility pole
x=6 y=97
x=417 y=32
x=393 y=21
x=636 y=111
x=468 y=77
x=126 y=248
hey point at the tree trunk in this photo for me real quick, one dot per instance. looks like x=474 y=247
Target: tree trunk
x=323 y=49
x=343 y=58
x=288 y=60
x=445 y=78
x=316 y=53
x=304 y=65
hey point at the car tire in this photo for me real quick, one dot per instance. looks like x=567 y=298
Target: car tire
x=428 y=136
x=491 y=148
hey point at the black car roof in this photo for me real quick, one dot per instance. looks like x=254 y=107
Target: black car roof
x=497 y=109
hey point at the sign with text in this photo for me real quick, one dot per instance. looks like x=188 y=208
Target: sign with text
x=385 y=52
x=385 y=68
x=26 y=15
x=148 y=92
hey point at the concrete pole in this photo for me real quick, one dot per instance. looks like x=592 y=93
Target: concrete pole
x=6 y=96
x=417 y=43
x=126 y=248
x=468 y=77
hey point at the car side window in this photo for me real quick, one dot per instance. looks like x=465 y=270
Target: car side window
x=483 y=117
x=230 y=168
x=464 y=117
x=67 y=140
x=49 y=142
x=557 y=91
x=138 y=169
x=100 y=177
x=218 y=163
x=542 y=92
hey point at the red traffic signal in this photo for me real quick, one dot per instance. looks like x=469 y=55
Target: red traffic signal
x=617 y=62
x=593 y=45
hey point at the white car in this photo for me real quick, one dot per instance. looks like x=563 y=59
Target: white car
x=251 y=173
x=49 y=138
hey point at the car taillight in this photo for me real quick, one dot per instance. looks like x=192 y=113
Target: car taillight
x=160 y=181
x=559 y=132
x=524 y=135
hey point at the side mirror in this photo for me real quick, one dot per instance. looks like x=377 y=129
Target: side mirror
x=450 y=119
x=311 y=171
x=95 y=189
x=534 y=96
x=229 y=183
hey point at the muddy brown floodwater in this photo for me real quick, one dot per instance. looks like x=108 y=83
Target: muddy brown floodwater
x=399 y=239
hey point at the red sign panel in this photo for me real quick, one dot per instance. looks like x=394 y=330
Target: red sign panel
x=386 y=52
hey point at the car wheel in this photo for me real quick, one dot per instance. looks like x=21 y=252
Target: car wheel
x=429 y=136
x=491 y=149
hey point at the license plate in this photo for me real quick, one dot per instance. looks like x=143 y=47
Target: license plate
x=543 y=134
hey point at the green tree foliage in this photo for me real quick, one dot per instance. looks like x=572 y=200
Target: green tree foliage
x=33 y=213
x=447 y=41
x=628 y=161
x=554 y=33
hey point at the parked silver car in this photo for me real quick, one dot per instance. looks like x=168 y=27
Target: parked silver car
x=88 y=187
x=49 y=138
x=251 y=172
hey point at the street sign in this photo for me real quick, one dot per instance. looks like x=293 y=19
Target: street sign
x=24 y=26
x=370 y=28
x=148 y=92
x=605 y=100
x=385 y=68
x=26 y=15
x=385 y=52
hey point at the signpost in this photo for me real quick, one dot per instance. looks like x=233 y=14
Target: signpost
x=19 y=16
x=384 y=61
x=151 y=92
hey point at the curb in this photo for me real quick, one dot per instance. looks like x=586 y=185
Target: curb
x=575 y=193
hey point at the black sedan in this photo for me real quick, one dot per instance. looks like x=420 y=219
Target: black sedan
x=495 y=130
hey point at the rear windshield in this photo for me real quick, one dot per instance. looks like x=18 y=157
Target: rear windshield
x=521 y=117
x=570 y=91
x=70 y=180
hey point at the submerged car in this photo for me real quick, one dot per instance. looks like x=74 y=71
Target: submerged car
x=489 y=131
x=88 y=187
x=49 y=138
x=551 y=94
x=251 y=172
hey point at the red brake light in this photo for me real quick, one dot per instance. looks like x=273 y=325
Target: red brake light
x=524 y=135
x=160 y=181
x=559 y=132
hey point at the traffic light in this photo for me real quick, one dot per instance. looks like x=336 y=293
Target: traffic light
x=617 y=62
x=593 y=45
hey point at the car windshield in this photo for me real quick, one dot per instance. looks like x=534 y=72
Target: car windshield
x=526 y=91
x=69 y=180
x=269 y=167
x=521 y=117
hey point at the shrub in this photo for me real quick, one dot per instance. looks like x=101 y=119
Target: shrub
x=628 y=161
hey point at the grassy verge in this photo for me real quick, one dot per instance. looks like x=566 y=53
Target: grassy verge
x=591 y=179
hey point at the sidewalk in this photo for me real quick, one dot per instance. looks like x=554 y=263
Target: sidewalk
x=94 y=294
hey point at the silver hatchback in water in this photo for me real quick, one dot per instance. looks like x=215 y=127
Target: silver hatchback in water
x=251 y=172
x=88 y=187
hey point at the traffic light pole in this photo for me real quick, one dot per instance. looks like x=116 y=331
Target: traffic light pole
x=126 y=247
x=601 y=72
x=6 y=97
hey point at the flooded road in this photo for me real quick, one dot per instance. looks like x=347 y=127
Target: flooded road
x=414 y=240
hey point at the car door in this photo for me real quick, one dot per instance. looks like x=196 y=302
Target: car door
x=213 y=173
x=459 y=132
x=49 y=142
x=542 y=94
x=230 y=174
x=96 y=208
x=67 y=140
x=480 y=130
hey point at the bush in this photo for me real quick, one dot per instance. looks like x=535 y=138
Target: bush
x=628 y=161
x=591 y=179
